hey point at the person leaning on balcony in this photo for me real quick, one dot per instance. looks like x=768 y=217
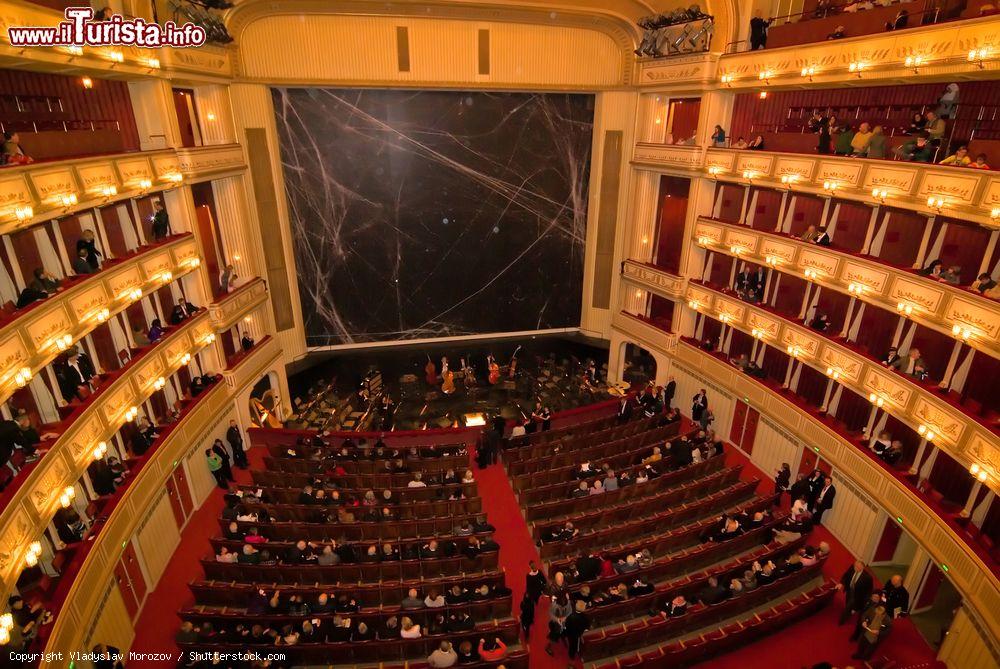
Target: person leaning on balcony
x=822 y=237
x=914 y=365
x=839 y=33
x=843 y=145
x=44 y=282
x=861 y=139
x=980 y=163
x=183 y=311
x=900 y=22
x=917 y=150
x=11 y=153
x=877 y=144
x=952 y=275
x=809 y=234
x=960 y=157
x=935 y=127
x=719 y=136
x=892 y=359
x=984 y=283
x=758 y=31
x=88 y=242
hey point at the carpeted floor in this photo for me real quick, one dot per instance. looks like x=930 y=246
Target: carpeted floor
x=814 y=639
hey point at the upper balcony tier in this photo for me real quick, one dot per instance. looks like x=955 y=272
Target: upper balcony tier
x=935 y=304
x=34 y=193
x=204 y=63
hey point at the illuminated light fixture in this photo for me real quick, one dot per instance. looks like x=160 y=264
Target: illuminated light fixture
x=737 y=250
x=694 y=304
x=248 y=319
x=237 y=257
x=727 y=79
x=30 y=560
x=758 y=333
x=772 y=261
x=175 y=177
x=166 y=276
x=915 y=62
x=193 y=262
x=749 y=175
x=830 y=186
x=810 y=274
x=109 y=191
x=210 y=337
x=154 y=63
x=857 y=67
x=964 y=332
x=936 y=203
x=794 y=351
x=714 y=170
x=926 y=432
x=131 y=413
x=657 y=121
x=74 y=50
x=904 y=308
x=995 y=214
x=186 y=358
x=67 y=496
x=833 y=373
x=724 y=317
x=22 y=376
x=102 y=315
x=789 y=179
x=87 y=83
x=809 y=71
x=159 y=383
x=116 y=56
x=145 y=184
x=704 y=241
x=645 y=240
x=765 y=76
x=977 y=56
x=100 y=450
x=24 y=213
x=876 y=400
x=69 y=199
x=879 y=195
x=979 y=472
x=762 y=95
x=61 y=343
x=856 y=289
x=135 y=294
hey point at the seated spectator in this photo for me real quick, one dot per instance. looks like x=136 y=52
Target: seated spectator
x=757 y=144
x=984 y=283
x=80 y=264
x=88 y=242
x=104 y=14
x=718 y=136
x=980 y=163
x=839 y=33
x=861 y=139
x=467 y=654
x=935 y=128
x=741 y=143
x=877 y=144
x=952 y=275
x=183 y=311
x=894 y=453
x=628 y=565
x=492 y=650
x=960 y=157
x=820 y=322
x=917 y=124
x=44 y=282
x=417 y=481
x=917 y=150
x=11 y=152
x=412 y=600
x=843 y=144
x=913 y=365
x=156 y=331
x=822 y=237
x=900 y=22
x=712 y=593
x=933 y=269
x=444 y=656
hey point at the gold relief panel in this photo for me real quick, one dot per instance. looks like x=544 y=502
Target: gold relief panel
x=704 y=297
x=184 y=252
x=724 y=160
x=802 y=168
x=88 y=302
x=895 y=180
x=124 y=280
x=848 y=366
x=134 y=170
x=735 y=310
x=842 y=172
x=117 y=401
x=981 y=315
x=991 y=197
x=888 y=387
x=165 y=165
x=16 y=535
x=982 y=451
x=13 y=353
x=821 y=261
x=793 y=337
x=51 y=185
x=773 y=247
x=713 y=232
x=760 y=321
x=147 y=372
x=754 y=163
x=96 y=176
x=87 y=432
x=916 y=293
x=873 y=279
x=940 y=421
x=667 y=155
x=953 y=185
x=745 y=240
x=157 y=264
x=176 y=350
x=45 y=490
x=13 y=192
x=54 y=322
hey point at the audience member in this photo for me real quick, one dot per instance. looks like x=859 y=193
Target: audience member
x=160 y=221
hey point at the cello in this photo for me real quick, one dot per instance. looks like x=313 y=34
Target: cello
x=430 y=372
x=494 y=370
x=448 y=382
x=512 y=368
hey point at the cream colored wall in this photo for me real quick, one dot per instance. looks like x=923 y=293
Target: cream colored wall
x=362 y=51
x=157 y=539
x=772 y=447
x=965 y=645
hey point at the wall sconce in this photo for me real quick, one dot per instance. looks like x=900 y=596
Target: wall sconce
x=210 y=337
x=833 y=373
x=237 y=257
x=762 y=95
x=62 y=342
x=904 y=308
x=159 y=383
x=876 y=400
x=22 y=377
x=856 y=289
x=963 y=331
x=737 y=250
x=879 y=195
x=6 y=625
x=915 y=62
x=193 y=262
x=130 y=294
x=69 y=199
x=145 y=185
x=154 y=63
x=727 y=79
x=810 y=274
x=749 y=175
x=772 y=261
x=788 y=180
x=248 y=319
x=87 y=83
x=758 y=333
x=186 y=358
x=978 y=472
x=34 y=551
x=995 y=214
x=102 y=315
x=857 y=67
x=131 y=413
x=794 y=351
x=724 y=317
x=109 y=191
x=926 y=432
x=100 y=450
x=74 y=50
x=936 y=203
x=24 y=213
x=704 y=241
x=67 y=496
x=645 y=240
x=116 y=56
x=977 y=56
x=166 y=276
x=174 y=177
x=809 y=72
x=830 y=186
x=694 y=304
x=714 y=170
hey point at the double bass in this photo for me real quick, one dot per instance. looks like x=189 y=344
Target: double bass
x=431 y=372
x=512 y=368
x=494 y=370
x=448 y=382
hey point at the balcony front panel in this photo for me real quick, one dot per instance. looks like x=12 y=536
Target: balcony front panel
x=974 y=194
x=668 y=156
x=50 y=188
x=691 y=71
x=229 y=310
x=654 y=278
x=972 y=577
x=936 y=304
x=943 y=50
x=31 y=340
x=36 y=499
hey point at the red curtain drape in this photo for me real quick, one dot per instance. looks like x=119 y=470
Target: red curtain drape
x=950 y=478
x=964 y=246
x=808 y=211
x=853 y=410
x=852 y=226
x=731 y=204
x=671 y=214
x=685 y=117
x=812 y=386
x=767 y=209
x=876 y=331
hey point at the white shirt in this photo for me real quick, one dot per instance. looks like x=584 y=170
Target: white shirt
x=416 y=484
x=412 y=633
x=518 y=431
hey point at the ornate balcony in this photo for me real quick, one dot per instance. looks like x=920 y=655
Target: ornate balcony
x=668 y=156
x=37 y=336
x=655 y=279
x=691 y=70
x=228 y=310
x=935 y=304
x=966 y=568
x=35 y=498
x=81 y=602
x=34 y=193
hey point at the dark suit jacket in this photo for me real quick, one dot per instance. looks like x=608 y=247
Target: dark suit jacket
x=234 y=438
x=858 y=596
x=178 y=315
x=827 y=501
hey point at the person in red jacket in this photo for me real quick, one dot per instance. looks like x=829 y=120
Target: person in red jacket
x=490 y=651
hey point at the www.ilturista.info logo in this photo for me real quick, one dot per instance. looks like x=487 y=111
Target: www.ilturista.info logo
x=79 y=29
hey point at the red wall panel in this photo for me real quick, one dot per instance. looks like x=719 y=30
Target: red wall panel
x=671 y=214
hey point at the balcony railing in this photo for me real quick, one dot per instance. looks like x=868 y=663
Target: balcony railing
x=33 y=498
x=934 y=304
x=966 y=566
x=229 y=309
x=80 y=605
x=30 y=194
x=39 y=334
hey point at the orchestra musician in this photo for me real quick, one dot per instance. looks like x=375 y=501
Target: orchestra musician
x=494 y=368
x=430 y=372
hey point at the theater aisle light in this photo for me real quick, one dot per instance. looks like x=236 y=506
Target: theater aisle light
x=877 y=400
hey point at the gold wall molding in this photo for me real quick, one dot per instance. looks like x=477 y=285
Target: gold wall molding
x=648 y=276
x=42 y=186
x=970 y=575
x=37 y=498
x=943 y=50
x=934 y=304
x=83 y=603
x=691 y=71
x=668 y=156
x=227 y=311
x=30 y=340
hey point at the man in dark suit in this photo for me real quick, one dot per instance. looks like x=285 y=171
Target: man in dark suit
x=857 y=586
x=893 y=359
x=576 y=625
x=625 y=409
x=698 y=404
x=896 y=597
x=235 y=440
x=668 y=392
x=183 y=311
x=160 y=221
x=824 y=499
x=588 y=567
x=822 y=238
x=74 y=375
